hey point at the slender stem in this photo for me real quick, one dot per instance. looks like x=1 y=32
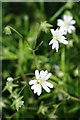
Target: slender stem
x=31 y=108
x=37 y=37
x=35 y=58
x=15 y=31
x=42 y=5
x=74 y=98
x=75 y=37
x=63 y=59
x=39 y=45
x=27 y=74
x=62 y=91
x=27 y=108
x=22 y=74
x=22 y=89
x=70 y=97
x=57 y=13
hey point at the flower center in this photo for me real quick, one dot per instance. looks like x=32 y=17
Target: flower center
x=55 y=38
x=67 y=23
x=38 y=81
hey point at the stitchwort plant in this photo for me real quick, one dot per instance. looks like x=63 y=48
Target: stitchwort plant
x=40 y=82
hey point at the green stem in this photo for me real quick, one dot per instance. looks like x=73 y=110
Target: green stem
x=67 y=95
x=70 y=97
x=15 y=31
x=58 y=13
x=37 y=37
x=27 y=74
x=42 y=5
x=63 y=59
x=75 y=37
x=36 y=65
x=39 y=45
x=22 y=89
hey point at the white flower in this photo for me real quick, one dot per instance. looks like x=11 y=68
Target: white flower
x=67 y=23
x=41 y=82
x=10 y=79
x=58 y=36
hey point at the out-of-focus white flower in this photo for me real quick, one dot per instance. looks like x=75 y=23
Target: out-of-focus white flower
x=10 y=79
x=58 y=36
x=60 y=96
x=56 y=67
x=67 y=23
x=41 y=82
x=60 y=74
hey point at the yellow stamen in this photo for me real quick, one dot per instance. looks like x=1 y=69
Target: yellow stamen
x=38 y=81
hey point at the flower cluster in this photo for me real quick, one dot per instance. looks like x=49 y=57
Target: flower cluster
x=40 y=81
x=65 y=26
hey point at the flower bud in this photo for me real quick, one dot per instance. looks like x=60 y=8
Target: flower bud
x=7 y=30
x=44 y=26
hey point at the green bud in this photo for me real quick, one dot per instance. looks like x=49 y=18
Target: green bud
x=18 y=103
x=7 y=30
x=44 y=26
x=69 y=4
x=76 y=72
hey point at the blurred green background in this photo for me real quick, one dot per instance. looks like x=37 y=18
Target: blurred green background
x=19 y=59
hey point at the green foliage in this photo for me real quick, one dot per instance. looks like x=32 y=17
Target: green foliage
x=26 y=36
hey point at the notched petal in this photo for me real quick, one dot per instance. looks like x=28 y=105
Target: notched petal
x=37 y=74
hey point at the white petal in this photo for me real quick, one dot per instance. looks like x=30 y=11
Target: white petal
x=37 y=74
x=45 y=87
x=39 y=89
x=49 y=84
x=51 y=42
x=48 y=76
x=64 y=41
x=55 y=45
x=52 y=31
x=69 y=31
x=62 y=30
x=57 y=31
x=35 y=91
x=60 y=22
x=34 y=87
x=32 y=82
x=73 y=22
x=42 y=74
x=46 y=72
x=72 y=27
x=65 y=17
x=63 y=37
x=70 y=18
